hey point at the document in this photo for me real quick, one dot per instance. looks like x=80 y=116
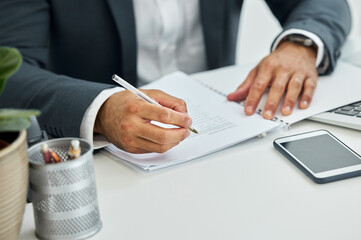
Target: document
x=221 y=123
x=340 y=88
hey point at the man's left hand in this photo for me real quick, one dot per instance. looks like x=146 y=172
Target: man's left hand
x=290 y=70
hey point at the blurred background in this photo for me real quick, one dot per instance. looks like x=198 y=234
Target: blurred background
x=259 y=28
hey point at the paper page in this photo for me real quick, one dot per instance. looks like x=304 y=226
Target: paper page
x=220 y=124
x=340 y=88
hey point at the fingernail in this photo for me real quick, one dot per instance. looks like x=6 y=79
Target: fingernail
x=268 y=114
x=249 y=110
x=304 y=104
x=287 y=110
x=230 y=96
x=188 y=133
x=189 y=122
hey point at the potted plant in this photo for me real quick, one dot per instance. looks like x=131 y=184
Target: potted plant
x=13 y=153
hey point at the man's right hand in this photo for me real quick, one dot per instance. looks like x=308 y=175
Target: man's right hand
x=125 y=120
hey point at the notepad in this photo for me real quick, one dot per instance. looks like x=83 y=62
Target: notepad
x=221 y=123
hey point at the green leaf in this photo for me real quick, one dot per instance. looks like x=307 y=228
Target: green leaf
x=10 y=61
x=12 y=119
x=15 y=119
x=14 y=124
x=17 y=113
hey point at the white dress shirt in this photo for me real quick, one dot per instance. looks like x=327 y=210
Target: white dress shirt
x=169 y=38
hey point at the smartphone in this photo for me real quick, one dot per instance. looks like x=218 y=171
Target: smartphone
x=320 y=155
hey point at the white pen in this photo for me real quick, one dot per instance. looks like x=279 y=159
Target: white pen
x=140 y=94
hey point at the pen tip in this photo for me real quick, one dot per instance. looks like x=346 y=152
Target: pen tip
x=193 y=130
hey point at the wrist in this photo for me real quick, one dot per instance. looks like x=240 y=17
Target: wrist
x=98 y=124
x=298 y=49
x=302 y=41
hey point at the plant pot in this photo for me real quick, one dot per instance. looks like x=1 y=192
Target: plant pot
x=13 y=183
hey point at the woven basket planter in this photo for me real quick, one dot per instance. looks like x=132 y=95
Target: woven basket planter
x=13 y=183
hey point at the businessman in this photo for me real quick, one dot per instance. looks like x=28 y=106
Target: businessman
x=71 y=49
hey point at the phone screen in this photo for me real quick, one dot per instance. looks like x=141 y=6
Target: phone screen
x=322 y=153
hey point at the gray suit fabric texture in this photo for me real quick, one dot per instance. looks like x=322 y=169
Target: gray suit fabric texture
x=72 y=48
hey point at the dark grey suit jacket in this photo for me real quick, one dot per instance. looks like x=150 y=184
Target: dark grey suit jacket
x=72 y=47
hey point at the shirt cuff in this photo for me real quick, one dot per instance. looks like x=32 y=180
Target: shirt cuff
x=320 y=47
x=87 y=124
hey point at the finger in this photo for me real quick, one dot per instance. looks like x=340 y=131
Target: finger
x=164 y=115
x=137 y=144
x=161 y=135
x=242 y=91
x=155 y=147
x=275 y=94
x=133 y=149
x=122 y=140
x=139 y=136
x=293 y=91
x=147 y=111
x=259 y=86
x=308 y=90
x=168 y=101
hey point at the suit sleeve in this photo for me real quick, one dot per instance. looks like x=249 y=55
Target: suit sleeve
x=330 y=20
x=62 y=100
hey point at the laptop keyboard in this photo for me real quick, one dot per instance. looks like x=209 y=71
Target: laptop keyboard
x=353 y=109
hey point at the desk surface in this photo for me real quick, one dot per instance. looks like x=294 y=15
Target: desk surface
x=248 y=191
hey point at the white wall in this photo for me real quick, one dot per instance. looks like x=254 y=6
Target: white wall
x=355 y=6
x=258 y=28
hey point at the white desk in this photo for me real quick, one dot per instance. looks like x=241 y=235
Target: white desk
x=248 y=191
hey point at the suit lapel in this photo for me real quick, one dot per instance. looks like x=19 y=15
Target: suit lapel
x=212 y=17
x=123 y=14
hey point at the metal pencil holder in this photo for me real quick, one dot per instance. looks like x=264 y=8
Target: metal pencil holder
x=64 y=194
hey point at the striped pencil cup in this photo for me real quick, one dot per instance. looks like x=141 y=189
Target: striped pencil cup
x=64 y=194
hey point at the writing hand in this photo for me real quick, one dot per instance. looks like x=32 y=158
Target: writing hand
x=289 y=70
x=125 y=120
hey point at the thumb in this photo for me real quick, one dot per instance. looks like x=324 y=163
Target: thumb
x=243 y=90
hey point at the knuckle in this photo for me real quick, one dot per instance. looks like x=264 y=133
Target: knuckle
x=181 y=103
x=164 y=116
x=162 y=138
x=310 y=84
x=154 y=92
x=132 y=107
x=125 y=140
x=125 y=126
x=250 y=101
x=278 y=86
x=185 y=121
x=311 y=74
x=296 y=83
x=162 y=149
x=307 y=95
x=270 y=64
x=292 y=101
x=258 y=86
x=272 y=104
x=284 y=68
